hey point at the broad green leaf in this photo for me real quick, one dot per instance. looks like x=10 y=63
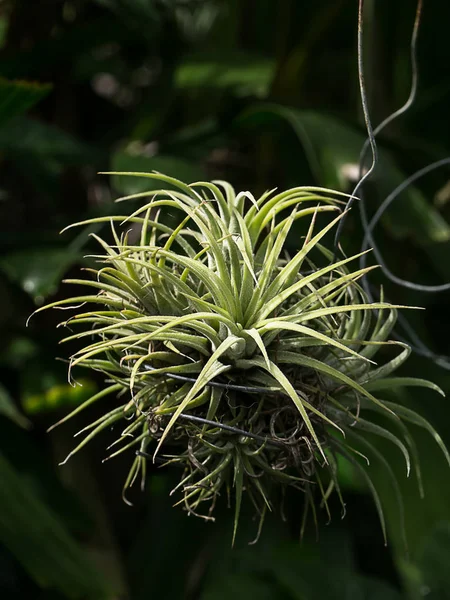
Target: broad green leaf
x=320 y=579
x=16 y=97
x=23 y=137
x=242 y=586
x=250 y=75
x=38 y=271
x=9 y=409
x=58 y=396
x=429 y=572
x=40 y=542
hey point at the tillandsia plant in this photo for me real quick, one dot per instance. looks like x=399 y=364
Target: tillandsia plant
x=250 y=369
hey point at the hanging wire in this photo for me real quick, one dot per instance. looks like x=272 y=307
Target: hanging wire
x=231 y=429
x=413 y=91
x=226 y=387
x=417 y=344
x=369 y=227
x=228 y=428
x=370 y=133
x=247 y=389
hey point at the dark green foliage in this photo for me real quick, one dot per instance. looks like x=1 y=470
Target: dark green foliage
x=263 y=94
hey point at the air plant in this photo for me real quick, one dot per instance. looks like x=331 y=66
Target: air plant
x=250 y=369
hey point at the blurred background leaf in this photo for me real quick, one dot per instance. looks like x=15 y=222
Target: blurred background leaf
x=25 y=523
x=265 y=95
x=38 y=271
x=248 y=75
x=169 y=165
x=17 y=97
x=9 y=409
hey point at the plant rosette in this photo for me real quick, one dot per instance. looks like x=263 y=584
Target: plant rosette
x=250 y=369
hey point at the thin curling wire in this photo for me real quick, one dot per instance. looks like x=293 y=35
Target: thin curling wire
x=412 y=93
x=418 y=346
x=369 y=227
x=370 y=133
x=218 y=425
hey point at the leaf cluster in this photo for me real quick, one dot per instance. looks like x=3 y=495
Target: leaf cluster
x=250 y=369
